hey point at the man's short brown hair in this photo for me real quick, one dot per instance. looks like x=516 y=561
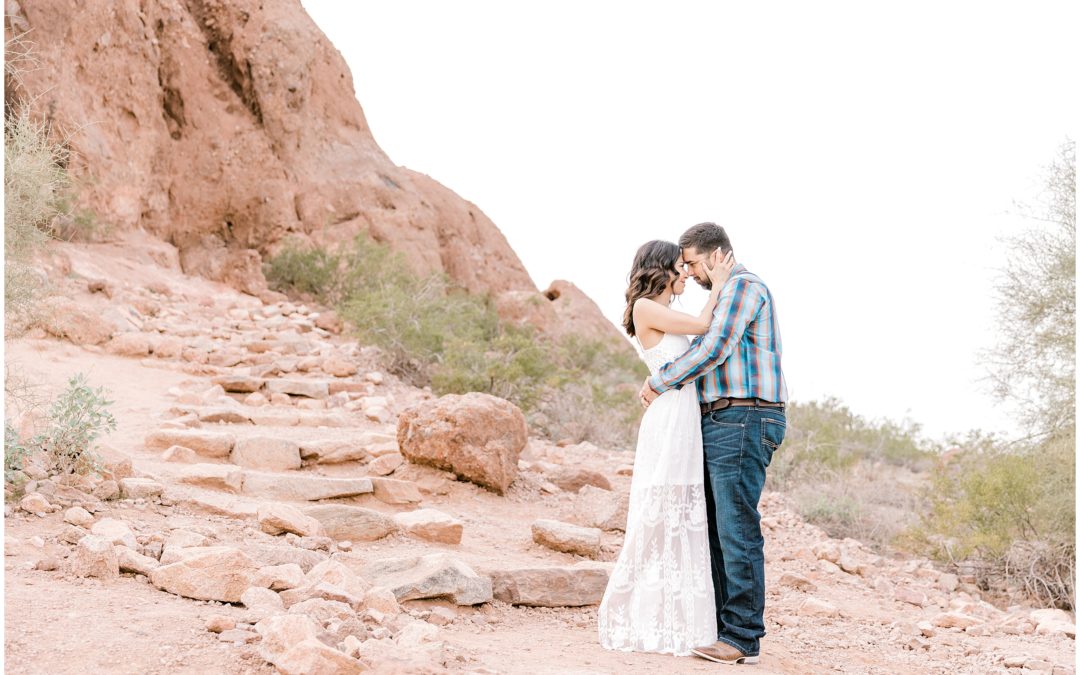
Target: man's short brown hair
x=705 y=238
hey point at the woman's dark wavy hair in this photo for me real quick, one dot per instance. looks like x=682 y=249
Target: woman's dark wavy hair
x=654 y=263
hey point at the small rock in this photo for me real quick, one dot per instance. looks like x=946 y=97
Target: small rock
x=79 y=516
x=218 y=623
x=279 y=577
x=94 y=557
x=262 y=602
x=396 y=492
x=134 y=562
x=116 y=532
x=431 y=525
x=910 y=596
x=573 y=479
x=237 y=636
x=279 y=518
x=441 y=616
x=568 y=538
x=47 y=564
x=385 y=465
x=954 y=620
x=35 y=504
x=817 y=607
x=798 y=582
x=181 y=455
x=144 y=488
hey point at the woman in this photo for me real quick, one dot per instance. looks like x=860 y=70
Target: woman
x=660 y=595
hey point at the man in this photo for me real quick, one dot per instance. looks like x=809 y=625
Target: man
x=742 y=392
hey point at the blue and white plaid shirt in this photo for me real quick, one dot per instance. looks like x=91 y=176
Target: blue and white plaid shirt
x=740 y=355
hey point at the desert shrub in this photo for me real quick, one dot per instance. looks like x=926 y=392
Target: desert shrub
x=1007 y=511
x=432 y=333
x=851 y=476
x=15 y=454
x=77 y=418
x=1008 y=515
x=314 y=271
x=35 y=184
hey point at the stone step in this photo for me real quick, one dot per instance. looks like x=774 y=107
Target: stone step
x=351 y=523
x=563 y=586
x=299 y=487
x=205 y=443
x=308 y=388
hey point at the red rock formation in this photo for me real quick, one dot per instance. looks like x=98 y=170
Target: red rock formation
x=224 y=127
x=227 y=127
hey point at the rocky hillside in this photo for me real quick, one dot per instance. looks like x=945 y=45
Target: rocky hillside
x=270 y=502
x=226 y=128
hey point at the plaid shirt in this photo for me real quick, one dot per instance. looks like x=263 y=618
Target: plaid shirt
x=740 y=355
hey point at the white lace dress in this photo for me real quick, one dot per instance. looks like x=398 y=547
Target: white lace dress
x=660 y=595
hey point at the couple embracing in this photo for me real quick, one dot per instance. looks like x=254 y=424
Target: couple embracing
x=690 y=578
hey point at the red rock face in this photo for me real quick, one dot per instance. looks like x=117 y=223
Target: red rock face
x=227 y=126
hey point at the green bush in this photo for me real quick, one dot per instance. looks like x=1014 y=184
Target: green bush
x=313 y=271
x=851 y=476
x=15 y=454
x=434 y=334
x=35 y=185
x=77 y=418
x=1009 y=514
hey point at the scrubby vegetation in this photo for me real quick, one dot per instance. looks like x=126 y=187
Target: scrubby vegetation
x=1007 y=511
x=34 y=186
x=433 y=334
x=851 y=476
x=75 y=419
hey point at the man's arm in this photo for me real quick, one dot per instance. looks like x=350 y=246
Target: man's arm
x=734 y=313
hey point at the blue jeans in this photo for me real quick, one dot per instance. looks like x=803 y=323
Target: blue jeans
x=739 y=444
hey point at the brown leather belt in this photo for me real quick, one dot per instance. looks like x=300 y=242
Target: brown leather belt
x=722 y=403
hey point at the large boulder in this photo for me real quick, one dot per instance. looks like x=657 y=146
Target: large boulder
x=476 y=436
x=211 y=573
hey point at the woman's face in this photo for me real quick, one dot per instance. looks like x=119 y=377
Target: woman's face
x=678 y=282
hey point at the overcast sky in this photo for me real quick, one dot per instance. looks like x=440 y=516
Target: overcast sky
x=864 y=159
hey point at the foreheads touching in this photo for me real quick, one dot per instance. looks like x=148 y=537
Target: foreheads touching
x=697 y=244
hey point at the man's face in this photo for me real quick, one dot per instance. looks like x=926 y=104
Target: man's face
x=695 y=261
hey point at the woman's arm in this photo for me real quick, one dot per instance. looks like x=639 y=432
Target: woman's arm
x=651 y=314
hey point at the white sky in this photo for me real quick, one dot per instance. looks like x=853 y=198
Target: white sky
x=863 y=159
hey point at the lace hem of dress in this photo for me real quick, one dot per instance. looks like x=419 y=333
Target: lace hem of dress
x=660 y=595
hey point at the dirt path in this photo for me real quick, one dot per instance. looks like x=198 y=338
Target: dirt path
x=832 y=607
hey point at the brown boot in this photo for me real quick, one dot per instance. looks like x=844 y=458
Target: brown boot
x=722 y=652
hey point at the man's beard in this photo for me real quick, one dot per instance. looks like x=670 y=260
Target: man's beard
x=707 y=285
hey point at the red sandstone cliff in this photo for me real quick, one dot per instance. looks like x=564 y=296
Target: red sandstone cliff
x=225 y=127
